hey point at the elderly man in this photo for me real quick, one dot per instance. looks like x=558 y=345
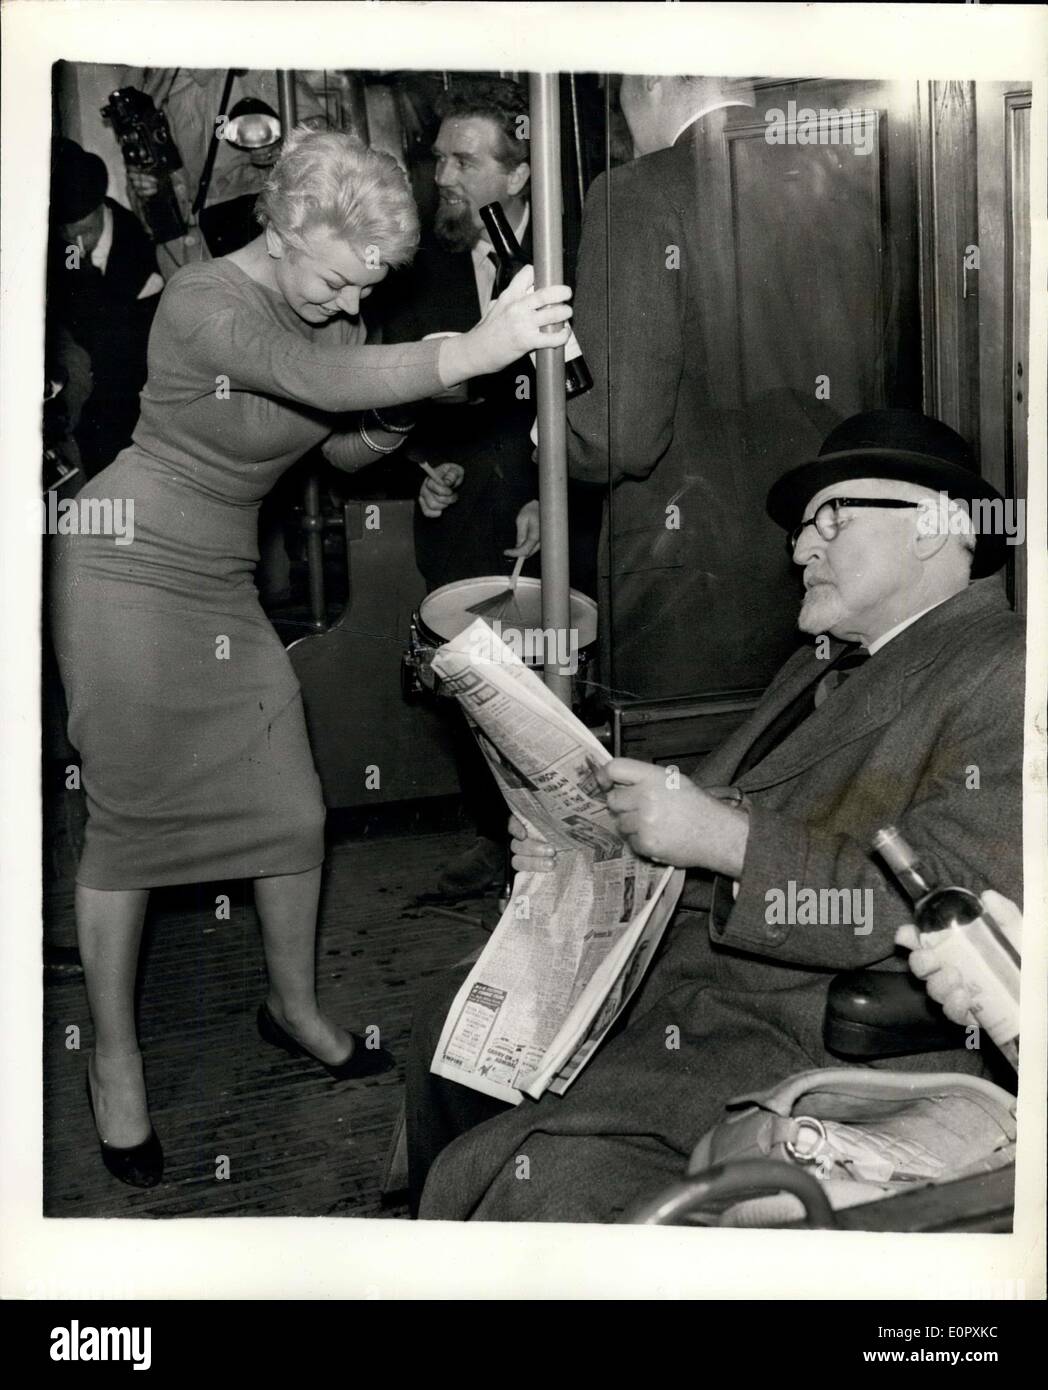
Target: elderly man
x=907 y=709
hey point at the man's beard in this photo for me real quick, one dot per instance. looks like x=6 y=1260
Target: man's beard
x=820 y=610
x=453 y=227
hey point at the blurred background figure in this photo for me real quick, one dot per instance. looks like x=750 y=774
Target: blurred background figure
x=687 y=468
x=103 y=287
x=68 y=384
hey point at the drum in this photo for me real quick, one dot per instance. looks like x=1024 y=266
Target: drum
x=444 y=613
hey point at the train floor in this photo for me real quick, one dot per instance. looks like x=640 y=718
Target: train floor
x=246 y=1129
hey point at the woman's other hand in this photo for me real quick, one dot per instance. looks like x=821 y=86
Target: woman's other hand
x=529 y=855
x=942 y=981
x=512 y=327
x=438 y=493
x=528 y=531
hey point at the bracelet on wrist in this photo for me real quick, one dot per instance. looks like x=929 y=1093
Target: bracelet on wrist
x=376 y=448
x=397 y=419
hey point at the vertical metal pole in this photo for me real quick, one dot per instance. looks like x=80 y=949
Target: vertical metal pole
x=312 y=511
x=286 y=99
x=356 y=101
x=577 y=133
x=313 y=526
x=546 y=200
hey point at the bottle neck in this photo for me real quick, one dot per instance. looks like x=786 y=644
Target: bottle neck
x=500 y=233
x=903 y=862
x=914 y=883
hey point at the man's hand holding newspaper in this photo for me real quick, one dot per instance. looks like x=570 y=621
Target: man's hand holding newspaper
x=573 y=942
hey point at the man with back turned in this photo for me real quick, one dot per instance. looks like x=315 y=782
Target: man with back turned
x=905 y=709
x=688 y=467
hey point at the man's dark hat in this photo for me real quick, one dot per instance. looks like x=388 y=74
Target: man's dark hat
x=898 y=444
x=78 y=182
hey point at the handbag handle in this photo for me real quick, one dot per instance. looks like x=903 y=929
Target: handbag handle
x=743 y=1178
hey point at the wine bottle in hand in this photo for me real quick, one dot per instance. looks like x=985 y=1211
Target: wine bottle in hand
x=955 y=923
x=510 y=260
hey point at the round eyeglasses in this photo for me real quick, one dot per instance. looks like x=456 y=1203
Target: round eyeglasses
x=827 y=522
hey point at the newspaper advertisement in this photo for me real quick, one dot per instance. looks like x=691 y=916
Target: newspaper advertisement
x=573 y=943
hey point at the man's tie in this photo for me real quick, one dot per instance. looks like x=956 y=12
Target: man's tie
x=807 y=702
x=846 y=665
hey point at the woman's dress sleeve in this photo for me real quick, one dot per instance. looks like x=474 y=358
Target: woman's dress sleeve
x=346 y=450
x=223 y=335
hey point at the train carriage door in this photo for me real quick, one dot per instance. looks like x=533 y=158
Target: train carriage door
x=1002 y=286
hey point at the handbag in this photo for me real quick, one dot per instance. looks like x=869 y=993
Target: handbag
x=863 y=1134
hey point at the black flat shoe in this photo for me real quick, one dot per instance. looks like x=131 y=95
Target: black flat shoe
x=362 y=1061
x=140 y=1166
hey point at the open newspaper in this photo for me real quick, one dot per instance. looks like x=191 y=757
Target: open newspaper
x=573 y=943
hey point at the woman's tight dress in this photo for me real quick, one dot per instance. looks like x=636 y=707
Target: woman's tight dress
x=183 y=704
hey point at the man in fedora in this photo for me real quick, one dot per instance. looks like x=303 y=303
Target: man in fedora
x=905 y=709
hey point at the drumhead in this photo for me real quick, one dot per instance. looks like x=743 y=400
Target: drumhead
x=443 y=614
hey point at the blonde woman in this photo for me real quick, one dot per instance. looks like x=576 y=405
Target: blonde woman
x=182 y=702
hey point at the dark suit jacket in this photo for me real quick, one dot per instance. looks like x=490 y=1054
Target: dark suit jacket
x=679 y=438
x=491 y=440
x=103 y=313
x=438 y=293
x=928 y=736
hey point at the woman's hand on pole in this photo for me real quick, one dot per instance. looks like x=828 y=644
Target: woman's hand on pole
x=512 y=327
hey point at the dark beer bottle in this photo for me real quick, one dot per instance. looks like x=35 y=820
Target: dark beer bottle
x=510 y=260
x=954 y=922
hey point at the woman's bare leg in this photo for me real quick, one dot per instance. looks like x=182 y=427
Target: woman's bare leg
x=287 y=908
x=109 y=934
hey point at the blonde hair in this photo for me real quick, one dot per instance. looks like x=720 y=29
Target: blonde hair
x=329 y=180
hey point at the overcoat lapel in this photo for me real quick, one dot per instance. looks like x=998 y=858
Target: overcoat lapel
x=868 y=700
x=865 y=702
